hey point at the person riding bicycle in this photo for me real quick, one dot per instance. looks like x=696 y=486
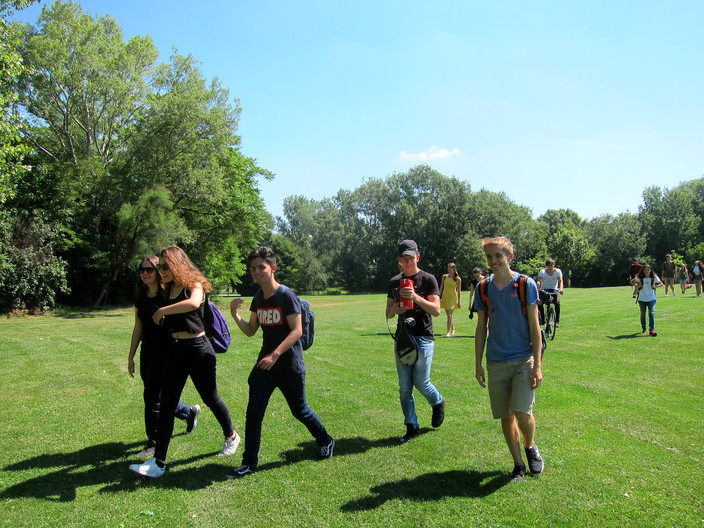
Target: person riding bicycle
x=551 y=286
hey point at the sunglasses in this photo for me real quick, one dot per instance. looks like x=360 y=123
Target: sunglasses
x=147 y=270
x=162 y=267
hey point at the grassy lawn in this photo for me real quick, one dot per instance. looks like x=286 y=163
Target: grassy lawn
x=619 y=426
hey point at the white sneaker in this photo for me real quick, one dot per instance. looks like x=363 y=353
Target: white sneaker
x=230 y=446
x=148 y=469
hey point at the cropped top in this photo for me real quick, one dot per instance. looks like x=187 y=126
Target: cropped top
x=191 y=322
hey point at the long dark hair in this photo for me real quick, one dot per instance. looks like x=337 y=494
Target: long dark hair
x=653 y=275
x=142 y=288
x=456 y=275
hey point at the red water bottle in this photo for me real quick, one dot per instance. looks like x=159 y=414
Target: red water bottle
x=405 y=302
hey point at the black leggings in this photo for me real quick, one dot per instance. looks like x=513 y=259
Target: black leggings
x=194 y=358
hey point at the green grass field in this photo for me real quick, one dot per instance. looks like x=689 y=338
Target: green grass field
x=619 y=426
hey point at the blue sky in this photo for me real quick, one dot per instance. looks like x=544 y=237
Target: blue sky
x=578 y=104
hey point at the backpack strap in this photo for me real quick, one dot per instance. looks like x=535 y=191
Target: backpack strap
x=521 y=285
x=484 y=296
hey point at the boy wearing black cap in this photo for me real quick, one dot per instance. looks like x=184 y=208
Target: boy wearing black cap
x=415 y=297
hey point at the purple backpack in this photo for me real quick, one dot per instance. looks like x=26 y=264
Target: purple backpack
x=216 y=327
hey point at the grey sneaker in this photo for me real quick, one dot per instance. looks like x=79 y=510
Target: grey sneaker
x=147 y=452
x=326 y=450
x=241 y=471
x=519 y=471
x=230 y=446
x=192 y=420
x=535 y=461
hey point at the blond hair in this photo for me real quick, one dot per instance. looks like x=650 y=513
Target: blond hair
x=183 y=270
x=502 y=242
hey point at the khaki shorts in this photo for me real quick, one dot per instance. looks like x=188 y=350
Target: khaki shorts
x=509 y=387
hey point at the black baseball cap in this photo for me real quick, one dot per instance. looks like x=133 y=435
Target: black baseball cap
x=407 y=247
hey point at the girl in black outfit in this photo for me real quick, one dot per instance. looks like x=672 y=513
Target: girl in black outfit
x=152 y=356
x=190 y=354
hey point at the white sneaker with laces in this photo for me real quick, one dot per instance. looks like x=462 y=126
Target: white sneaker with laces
x=230 y=446
x=148 y=469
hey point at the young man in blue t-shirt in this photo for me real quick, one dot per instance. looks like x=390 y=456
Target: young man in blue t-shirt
x=513 y=353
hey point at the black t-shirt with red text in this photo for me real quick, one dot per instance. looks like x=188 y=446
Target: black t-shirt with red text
x=271 y=314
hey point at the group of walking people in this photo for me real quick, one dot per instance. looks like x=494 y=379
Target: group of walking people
x=170 y=325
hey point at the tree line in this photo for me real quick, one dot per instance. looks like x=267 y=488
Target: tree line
x=349 y=241
x=107 y=155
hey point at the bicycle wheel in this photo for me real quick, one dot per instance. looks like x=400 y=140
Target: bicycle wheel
x=550 y=322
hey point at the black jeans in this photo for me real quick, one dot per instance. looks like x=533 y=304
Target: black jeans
x=152 y=360
x=194 y=358
x=261 y=386
x=543 y=299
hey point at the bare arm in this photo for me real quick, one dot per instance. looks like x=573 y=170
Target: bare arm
x=536 y=340
x=248 y=328
x=134 y=343
x=194 y=300
x=479 y=343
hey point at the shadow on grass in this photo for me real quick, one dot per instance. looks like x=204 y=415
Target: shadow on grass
x=106 y=464
x=103 y=464
x=627 y=336
x=431 y=486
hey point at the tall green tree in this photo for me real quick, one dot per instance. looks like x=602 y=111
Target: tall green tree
x=111 y=131
x=12 y=150
x=616 y=240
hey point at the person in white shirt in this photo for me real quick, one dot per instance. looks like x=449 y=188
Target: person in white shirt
x=646 y=282
x=550 y=281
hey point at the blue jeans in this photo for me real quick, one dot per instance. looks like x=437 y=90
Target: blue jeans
x=417 y=376
x=261 y=386
x=650 y=305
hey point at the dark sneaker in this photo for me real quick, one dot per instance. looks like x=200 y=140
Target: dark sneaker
x=192 y=420
x=535 y=461
x=653 y=333
x=519 y=471
x=438 y=414
x=241 y=471
x=147 y=452
x=326 y=450
x=411 y=432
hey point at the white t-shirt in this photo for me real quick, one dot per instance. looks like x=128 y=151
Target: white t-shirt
x=647 y=293
x=550 y=282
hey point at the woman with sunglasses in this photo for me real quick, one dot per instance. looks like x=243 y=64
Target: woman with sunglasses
x=190 y=354
x=645 y=283
x=153 y=351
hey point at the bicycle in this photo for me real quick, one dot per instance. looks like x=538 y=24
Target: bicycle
x=550 y=315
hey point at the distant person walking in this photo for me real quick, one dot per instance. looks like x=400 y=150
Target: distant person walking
x=154 y=350
x=477 y=277
x=450 y=288
x=633 y=273
x=697 y=272
x=683 y=277
x=668 y=274
x=646 y=282
x=190 y=354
